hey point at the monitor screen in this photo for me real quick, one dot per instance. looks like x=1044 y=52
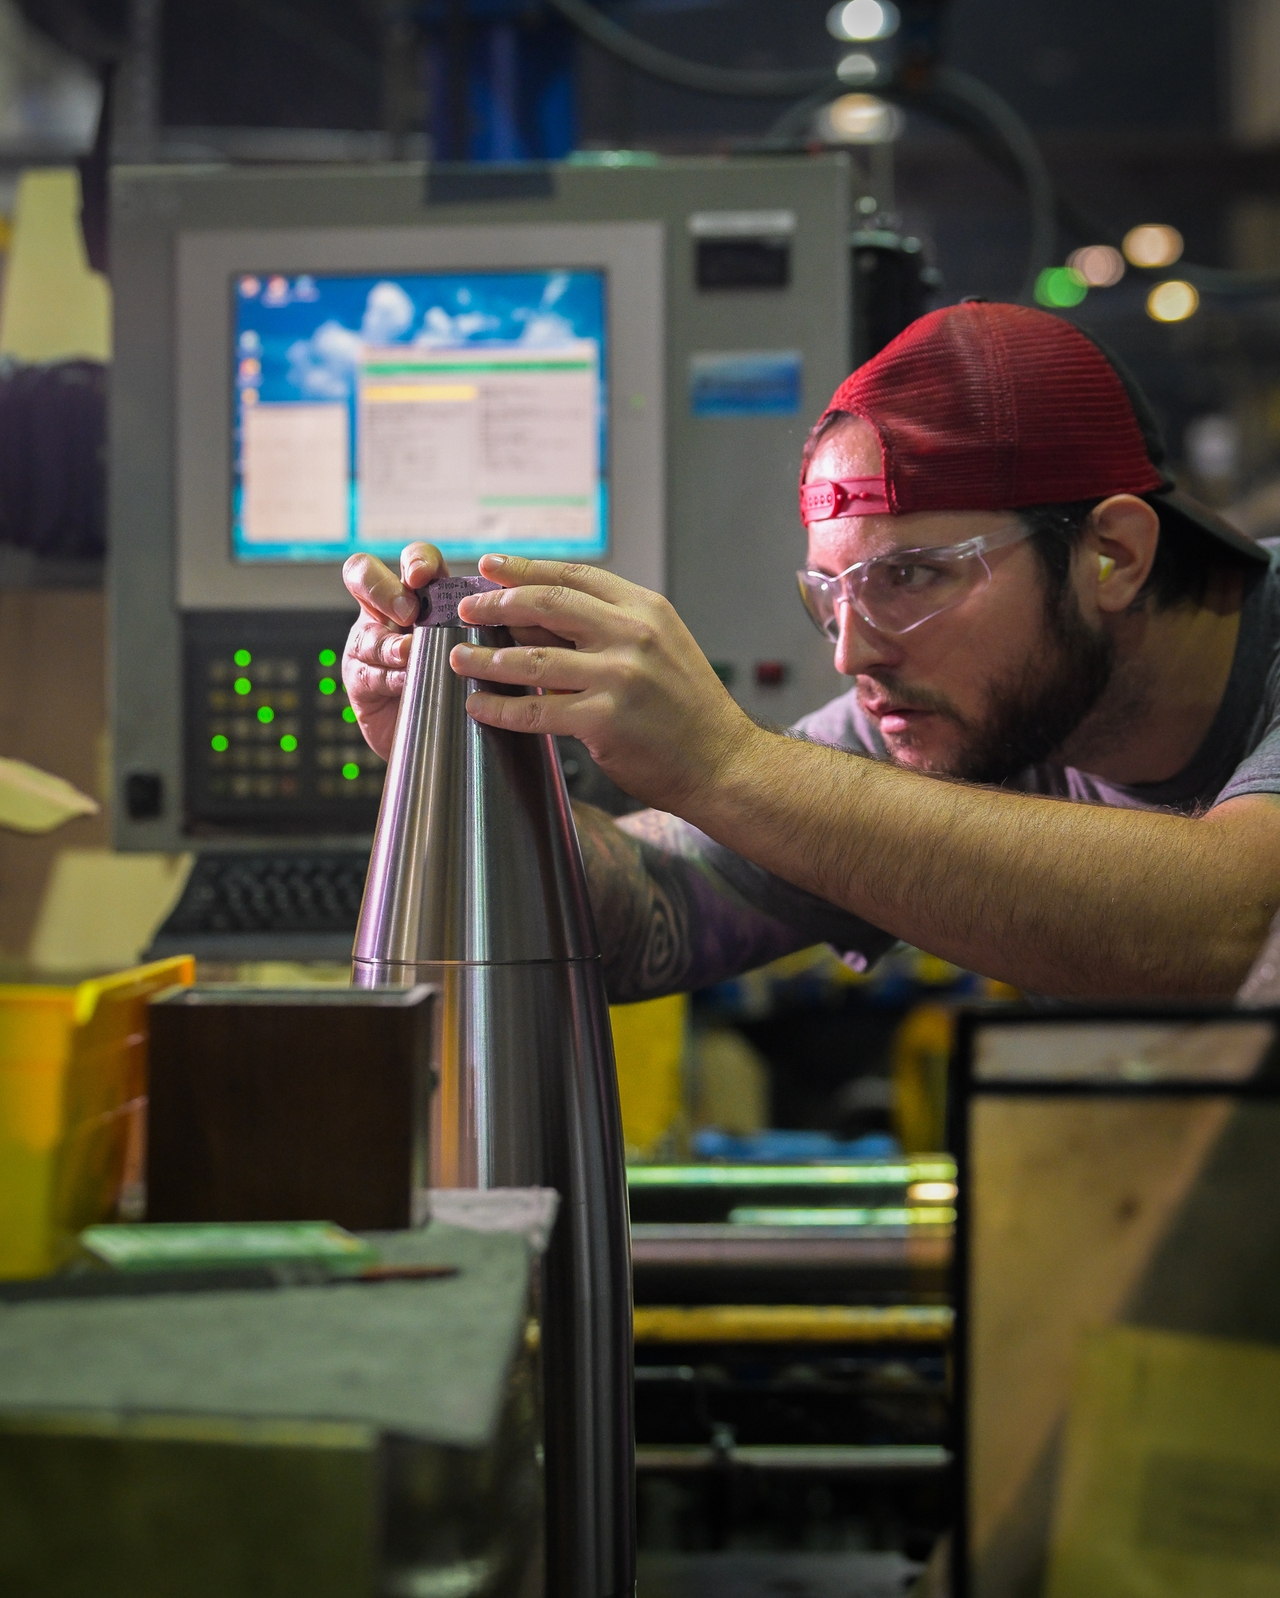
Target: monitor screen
x=464 y=408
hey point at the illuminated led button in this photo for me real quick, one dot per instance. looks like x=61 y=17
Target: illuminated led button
x=288 y=743
x=328 y=658
x=266 y=714
x=219 y=742
x=351 y=771
x=347 y=713
x=326 y=685
x=242 y=657
x=243 y=685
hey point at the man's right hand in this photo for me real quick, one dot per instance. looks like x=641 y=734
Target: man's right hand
x=377 y=652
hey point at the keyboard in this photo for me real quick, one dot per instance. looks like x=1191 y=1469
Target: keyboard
x=282 y=904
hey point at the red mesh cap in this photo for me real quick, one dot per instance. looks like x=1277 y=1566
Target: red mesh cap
x=997 y=407
x=993 y=407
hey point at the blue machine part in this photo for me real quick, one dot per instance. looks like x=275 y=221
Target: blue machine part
x=745 y=383
x=518 y=101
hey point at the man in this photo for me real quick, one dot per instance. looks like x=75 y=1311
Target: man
x=1067 y=676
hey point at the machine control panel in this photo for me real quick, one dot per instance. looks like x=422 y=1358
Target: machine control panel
x=271 y=741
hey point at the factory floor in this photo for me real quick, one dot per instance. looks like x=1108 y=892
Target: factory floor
x=775 y=1575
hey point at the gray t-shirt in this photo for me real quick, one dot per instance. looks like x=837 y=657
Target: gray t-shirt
x=1240 y=755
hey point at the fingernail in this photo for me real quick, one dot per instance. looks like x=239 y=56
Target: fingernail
x=405 y=609
x=495 y=560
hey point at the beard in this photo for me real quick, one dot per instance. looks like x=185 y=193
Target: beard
x=1033 y=711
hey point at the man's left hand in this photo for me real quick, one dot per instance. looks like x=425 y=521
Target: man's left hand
x=624 y=676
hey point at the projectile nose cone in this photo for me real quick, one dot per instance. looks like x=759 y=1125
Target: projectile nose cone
x=475 y=858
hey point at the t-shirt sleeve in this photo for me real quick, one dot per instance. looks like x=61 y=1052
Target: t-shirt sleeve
x=1259 y=771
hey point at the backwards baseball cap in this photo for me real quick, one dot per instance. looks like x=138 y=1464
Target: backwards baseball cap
x=998 y=407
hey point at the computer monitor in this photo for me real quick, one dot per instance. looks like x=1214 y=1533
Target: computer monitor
x=465 y=408
x=345 y=389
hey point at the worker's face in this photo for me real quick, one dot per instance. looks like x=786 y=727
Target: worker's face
x=981 y=690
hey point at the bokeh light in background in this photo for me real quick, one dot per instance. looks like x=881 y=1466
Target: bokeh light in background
x=1152 y=244
x=857 y=67
x=1098 y=264
x=863 y=19
x=1173 y=301
x=1060 y=287
x=861 y=119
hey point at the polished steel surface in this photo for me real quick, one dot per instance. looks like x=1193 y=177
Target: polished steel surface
x=476 y=885
x=475 y=857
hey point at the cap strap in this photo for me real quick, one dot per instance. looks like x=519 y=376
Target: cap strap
x=825 y=498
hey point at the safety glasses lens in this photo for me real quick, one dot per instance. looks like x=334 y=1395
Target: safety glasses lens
x=894 y=594
x=818 y=596
x=898 y=594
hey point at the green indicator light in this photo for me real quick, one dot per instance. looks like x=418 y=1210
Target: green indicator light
x=218 y=742
x=242 y=657
x=327 y=685
x=243 y=685
x=328 y=658
x=347 y=713
x=351 y=771
x=288 y=743
x=266 y=714
x=1061 y=287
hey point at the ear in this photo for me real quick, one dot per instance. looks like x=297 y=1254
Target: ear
x=1117 y=551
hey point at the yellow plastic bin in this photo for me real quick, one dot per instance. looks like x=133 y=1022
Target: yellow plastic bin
x=73 y=1082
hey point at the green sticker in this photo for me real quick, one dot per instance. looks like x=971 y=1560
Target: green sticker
x=176 y=1245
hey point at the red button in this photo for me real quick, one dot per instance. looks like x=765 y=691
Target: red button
x=770 y=673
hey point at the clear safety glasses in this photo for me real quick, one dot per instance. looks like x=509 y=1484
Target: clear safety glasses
x=896 y=592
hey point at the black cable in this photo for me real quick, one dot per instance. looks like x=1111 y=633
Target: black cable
x=964 y=102
x=955 y=96
x=987 y=121
x=674 y=69
x=979 y=112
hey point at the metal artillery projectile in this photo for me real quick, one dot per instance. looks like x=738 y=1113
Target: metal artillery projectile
x=476 y=885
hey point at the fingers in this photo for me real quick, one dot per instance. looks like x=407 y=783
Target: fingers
x=556 y=670
x=421 y=564
x=378 y=645
x=369 y=685
x=378 y=591
x=567 y=613
x=514 y=570
x=539 y=635
x=523 y=712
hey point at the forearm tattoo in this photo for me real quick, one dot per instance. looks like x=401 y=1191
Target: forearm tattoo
x=666 y=922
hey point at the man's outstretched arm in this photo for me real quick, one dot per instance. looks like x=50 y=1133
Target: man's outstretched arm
x=1077 y=901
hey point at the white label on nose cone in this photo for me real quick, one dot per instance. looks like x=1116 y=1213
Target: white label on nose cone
x=442 y=598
